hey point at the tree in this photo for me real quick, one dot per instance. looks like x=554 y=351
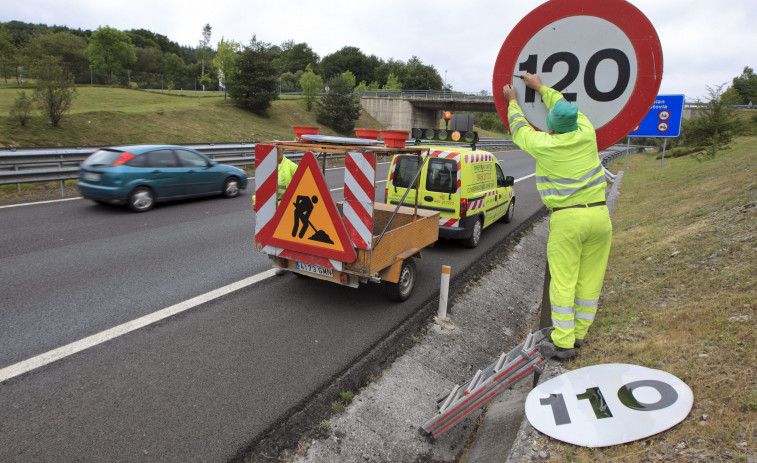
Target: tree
x=312 y=85
x=746 y=86
x=110 y=50
x=418 y=76
x=392 y=83
x=714 y=128
x=65 y=45
x=339 y=108
x=226 y=62
x=206 y=32
x=290 y=82
x=173 y=67
x=22 y=108
x=55 y=89
x=350 y=78
x=255 y=86
x=350 y=59
x=8 y=53
x=296 y=57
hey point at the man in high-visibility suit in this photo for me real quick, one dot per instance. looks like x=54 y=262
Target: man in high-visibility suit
x=571 y=182
x=285 y=172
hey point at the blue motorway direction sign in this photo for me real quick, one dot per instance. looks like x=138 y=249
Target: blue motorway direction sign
x=663 y=118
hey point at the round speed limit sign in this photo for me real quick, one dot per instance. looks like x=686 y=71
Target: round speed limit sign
x=605 y=57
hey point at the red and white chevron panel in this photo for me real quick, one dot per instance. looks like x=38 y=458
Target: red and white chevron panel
x=478 y=157
x=266 y=183
x=445 y=222
x=450 y=155
x=359 y=194
x=479 y=203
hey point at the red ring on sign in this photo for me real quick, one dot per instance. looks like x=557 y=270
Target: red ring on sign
x=623 y=15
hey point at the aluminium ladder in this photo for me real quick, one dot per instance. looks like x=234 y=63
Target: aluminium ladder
x=526 y=358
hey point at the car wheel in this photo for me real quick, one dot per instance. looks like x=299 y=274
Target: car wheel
x=401 y=290
x=475 y=237
x=508 y=217
x=231 y=187
x=142 y=199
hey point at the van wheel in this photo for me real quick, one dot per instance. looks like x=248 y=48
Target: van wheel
x=508 y=217
x=401 y=290
x=475 y=237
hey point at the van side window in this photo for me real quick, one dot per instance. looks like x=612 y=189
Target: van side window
x=441 y=175
x=405 y=170
x=500 y=176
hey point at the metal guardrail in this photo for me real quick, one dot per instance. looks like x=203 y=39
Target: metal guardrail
x=44 y=165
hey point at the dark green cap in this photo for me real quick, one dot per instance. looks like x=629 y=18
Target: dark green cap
x=563 y=117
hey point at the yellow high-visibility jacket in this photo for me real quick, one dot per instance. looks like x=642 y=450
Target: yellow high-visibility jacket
x=285 y=172
x=568 y=171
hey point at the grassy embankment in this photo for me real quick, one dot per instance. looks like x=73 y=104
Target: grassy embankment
x=102 y=116
x=680 y=295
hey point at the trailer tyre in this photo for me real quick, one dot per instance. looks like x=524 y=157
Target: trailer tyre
x=401 y=290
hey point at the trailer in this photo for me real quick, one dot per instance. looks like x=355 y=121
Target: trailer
x=350 y=242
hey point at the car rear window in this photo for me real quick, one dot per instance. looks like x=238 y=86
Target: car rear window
x=404 y=171
x=441 y=175
x=102 y=158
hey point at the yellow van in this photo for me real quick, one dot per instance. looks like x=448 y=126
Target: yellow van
x=466 y=186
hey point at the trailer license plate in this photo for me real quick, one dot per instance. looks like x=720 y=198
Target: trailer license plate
x=317 y=269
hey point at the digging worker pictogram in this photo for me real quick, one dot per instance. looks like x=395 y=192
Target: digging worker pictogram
x=303 y=207
x=571 y=183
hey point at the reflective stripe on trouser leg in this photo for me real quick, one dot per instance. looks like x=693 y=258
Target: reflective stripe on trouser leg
x=577 y=250
x=591 y=274
x=585 y=312
x=563 y=319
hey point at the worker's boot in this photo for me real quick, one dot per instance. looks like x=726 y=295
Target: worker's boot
x=578 y=343
x=561 y=353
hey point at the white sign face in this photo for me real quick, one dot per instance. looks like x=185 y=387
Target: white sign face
x=609 y=404
x=594 y=69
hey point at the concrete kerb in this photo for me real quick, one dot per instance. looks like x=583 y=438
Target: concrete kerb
x=381 y=424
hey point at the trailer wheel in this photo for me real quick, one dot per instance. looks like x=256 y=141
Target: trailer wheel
x=401 y=290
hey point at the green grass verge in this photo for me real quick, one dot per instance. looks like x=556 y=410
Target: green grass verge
x=680 y=295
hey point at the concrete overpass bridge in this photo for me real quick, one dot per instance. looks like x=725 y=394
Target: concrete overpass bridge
x=404 y=109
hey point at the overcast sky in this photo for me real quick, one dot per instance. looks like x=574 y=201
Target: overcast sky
x=704 y=42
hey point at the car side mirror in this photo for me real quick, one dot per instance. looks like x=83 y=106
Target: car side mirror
x=509 y=180
x=211 y=164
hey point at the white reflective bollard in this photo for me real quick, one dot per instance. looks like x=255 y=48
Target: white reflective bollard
x=441 y=317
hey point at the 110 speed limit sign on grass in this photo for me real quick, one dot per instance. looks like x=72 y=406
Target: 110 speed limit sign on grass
x=604 y=56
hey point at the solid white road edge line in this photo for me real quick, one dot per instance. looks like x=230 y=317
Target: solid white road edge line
x=64 y=351
x=40 y=202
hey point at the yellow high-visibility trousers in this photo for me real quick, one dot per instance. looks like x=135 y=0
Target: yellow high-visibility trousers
x=577 y=252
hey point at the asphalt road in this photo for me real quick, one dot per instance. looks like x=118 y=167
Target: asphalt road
x=203 y=385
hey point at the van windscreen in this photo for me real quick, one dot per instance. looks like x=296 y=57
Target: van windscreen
x=441 y=175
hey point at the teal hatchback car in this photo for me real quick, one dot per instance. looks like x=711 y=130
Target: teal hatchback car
x=141 y=175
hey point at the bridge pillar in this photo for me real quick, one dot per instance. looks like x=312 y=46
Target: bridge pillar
x=399 y=113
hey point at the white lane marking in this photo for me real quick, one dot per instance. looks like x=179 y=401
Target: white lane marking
x=40 y=202
x=523 y=178
x=64 y=351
